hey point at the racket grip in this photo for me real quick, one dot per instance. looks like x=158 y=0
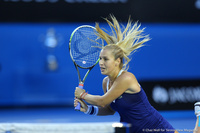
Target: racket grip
x=80 y=86
x=78 y=107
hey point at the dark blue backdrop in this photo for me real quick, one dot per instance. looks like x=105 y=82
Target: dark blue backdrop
x=173 y=53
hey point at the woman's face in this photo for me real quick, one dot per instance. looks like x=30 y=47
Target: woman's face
x=107 y=62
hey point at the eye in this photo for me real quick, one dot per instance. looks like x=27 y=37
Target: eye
x=105 y=59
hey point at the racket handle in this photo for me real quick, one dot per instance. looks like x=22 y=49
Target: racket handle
x=80 y=86
x=78 y=107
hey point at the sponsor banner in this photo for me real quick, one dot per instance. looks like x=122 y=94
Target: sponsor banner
x=172 y=95
x=94 y=10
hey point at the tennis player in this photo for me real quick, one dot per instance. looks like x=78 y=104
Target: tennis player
x=122 y=91
x=197 y=113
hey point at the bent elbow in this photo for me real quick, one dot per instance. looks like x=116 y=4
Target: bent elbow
x=102 y=103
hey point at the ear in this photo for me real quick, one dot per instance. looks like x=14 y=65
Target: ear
x=117 y=61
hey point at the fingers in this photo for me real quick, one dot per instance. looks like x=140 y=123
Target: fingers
x=83 y=104
x=78 y=92
x=76 y=102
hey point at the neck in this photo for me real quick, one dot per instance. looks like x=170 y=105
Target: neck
x=114 y=76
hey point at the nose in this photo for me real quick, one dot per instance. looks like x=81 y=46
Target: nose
x=100 y=62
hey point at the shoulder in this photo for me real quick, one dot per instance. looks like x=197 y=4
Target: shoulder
x=129 y=80
x=105 y=80
x=127 y=76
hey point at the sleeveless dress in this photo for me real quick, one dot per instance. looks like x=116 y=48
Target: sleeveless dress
x=136 y=110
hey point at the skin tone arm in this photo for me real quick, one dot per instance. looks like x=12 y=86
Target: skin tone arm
x=197 y=128
x=107 y=110
x=124 y=81
x=102 y=110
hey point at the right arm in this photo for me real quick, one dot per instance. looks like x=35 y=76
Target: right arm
x=197 y=113
x=106 y=110
x=197 y=128
x=102 y=110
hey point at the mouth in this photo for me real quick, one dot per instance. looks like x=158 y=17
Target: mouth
x=102 y=69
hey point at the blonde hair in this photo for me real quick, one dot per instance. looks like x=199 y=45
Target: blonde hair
x=122 y=43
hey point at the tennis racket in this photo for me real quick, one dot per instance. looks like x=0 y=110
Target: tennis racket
x=84 y=47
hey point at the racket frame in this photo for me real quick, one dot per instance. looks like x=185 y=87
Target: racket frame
x=81 y=82
x=76 y=65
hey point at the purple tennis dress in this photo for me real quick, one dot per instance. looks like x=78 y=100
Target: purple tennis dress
x=136 y=110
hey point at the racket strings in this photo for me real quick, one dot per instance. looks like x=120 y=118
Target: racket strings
x=85 y=49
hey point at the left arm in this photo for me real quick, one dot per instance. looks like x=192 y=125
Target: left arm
x=121 y=84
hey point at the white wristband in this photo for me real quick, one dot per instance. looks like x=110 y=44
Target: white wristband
x=92 y=110
x=88 y=109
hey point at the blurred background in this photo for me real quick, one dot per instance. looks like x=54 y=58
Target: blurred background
x=38 y=78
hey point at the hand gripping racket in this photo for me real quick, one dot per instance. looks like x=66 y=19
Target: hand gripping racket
x=84 y=47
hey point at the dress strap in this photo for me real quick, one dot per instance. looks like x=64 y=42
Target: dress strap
x=107 y=84
x=120 y=72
